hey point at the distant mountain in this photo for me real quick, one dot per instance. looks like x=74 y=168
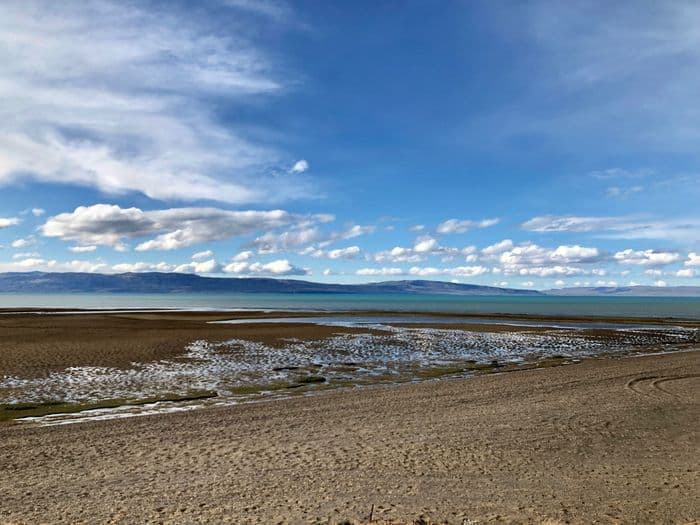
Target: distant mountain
x=629 y=291
x=39 y=282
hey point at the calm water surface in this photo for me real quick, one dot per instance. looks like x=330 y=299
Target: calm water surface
x=680 y=307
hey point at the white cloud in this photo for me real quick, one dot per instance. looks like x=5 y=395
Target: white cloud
x=115 y=96
x=23 y=243
x=278 y=267
x=210 y=266
x=305 y=233
x=417 y=228
x=300 y=166
x=693 y=259
x=425 y=244
x=6 y=222
x=498 y=247
x=426 y=271
x=458 y=271
x=575 y=253
x=379 y=271
x=397 y=254
x=660 y=284
x=243 y=256
x=140 y=267
x=646 y=257
x=26 y=255
x=206 y=254
x=531 y=254
x=549 y=223
x=38 y=212
x=451 y=226
x=681 y=230
x=110 y=225
x=345 y=253
x=531 y=259
x=271 y=242
x=686 y=272
x=83 y=249
x=44 y=265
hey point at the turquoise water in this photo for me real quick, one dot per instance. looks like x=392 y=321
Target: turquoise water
x=680 y=307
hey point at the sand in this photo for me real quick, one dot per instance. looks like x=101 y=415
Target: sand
x=33 y=345
x=603 y=441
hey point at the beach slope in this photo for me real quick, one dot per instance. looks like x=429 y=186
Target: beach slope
x=607 y=440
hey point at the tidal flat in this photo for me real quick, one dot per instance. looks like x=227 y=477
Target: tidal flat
x=66 y=367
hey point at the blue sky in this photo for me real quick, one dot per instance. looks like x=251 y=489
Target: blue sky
x=523 y=144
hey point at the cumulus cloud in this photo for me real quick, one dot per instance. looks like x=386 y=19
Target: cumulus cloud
x=111 y=225
x=210 y=266
x=23 y=243
x=379 y=271
x=425 y=244
x=693 y=259
x=206 y=254
x=340 y=253
x=141 y=267
x=531 y=259
x=115 y=96
x=425 y=271
x=424 y=247
x=243 y=256
x=451 y=226
x=686 y=272
x=497 y=248
x=458 y=271
x=38 y=212
x=278 y=268
x=6 y=222
x=306 y=234
x=83 y=249
x=51 y=265
x=646 y=257
x=300 y=166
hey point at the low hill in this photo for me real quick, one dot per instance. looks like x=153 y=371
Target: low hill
x=39 y=282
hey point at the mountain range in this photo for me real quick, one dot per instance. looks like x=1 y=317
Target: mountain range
x=41 y=282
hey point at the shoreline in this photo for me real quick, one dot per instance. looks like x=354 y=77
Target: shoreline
x=57 y=369
x=607 y=439
x=265 y=313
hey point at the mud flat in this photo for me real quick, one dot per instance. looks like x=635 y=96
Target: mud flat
x=61 y=367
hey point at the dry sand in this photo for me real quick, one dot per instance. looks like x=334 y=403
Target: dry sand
x=604 y=441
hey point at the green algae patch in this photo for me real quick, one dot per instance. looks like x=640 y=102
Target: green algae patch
x=12 y=411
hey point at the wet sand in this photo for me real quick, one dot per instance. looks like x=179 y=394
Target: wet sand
x=609 y=440
x=604 y=441
x=36 y=344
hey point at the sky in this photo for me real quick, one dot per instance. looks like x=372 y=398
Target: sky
x=519 y=144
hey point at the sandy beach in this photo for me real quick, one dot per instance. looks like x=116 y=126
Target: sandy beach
x=608 y=440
